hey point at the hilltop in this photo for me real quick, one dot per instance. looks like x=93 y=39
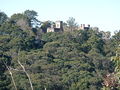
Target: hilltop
x=76 y=59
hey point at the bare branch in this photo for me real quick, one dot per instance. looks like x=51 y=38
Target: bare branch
x=14 y=69
x=25 y=72
x=11 y=75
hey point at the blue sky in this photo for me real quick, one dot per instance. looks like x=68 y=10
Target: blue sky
x=104 y=14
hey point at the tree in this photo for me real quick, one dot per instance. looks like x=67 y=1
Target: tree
x=116 y=37
x=105 y=35
x=116 y=59
x=112 y=80
x=4 y=79
x=20 y=20
x=32 y=16
x=72 y=24
x=3 y=17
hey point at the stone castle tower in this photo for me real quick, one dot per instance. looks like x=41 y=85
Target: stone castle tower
x=58 y=27
x=59 y=24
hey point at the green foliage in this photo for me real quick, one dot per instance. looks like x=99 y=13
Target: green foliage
x=16 y=17
x=112 y=80
x=74 y=60
x=3 y=17
x=32 y=16
x=4 y=78
x=116 y=60
x=71 y=23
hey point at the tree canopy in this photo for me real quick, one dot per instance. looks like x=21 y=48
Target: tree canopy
x=71 y=23
x=3 y=17
x=77 y=60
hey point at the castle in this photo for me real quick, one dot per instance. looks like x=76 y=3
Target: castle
x=58 y=27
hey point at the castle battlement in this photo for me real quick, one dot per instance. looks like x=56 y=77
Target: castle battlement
x=84 y=26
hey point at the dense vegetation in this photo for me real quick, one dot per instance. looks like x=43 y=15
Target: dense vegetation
x=73 y=60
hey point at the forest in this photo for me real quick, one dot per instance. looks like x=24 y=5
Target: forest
x=31 y=59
